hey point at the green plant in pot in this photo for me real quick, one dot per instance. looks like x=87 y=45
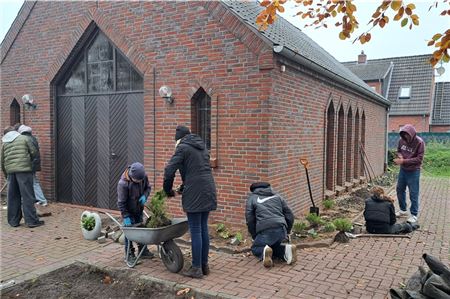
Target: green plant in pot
x=91 y=225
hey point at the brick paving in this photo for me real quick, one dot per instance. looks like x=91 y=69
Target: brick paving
x=364 y=268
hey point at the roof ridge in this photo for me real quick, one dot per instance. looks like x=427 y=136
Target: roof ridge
x=387 y=58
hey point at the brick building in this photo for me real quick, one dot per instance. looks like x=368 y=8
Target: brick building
x=407 y=82
x=260 y=100
x=440 y=120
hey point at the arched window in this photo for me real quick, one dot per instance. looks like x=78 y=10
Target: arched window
x=201 y=116
x=356 y=152
x=329 y=167
x=14 y=113
x=101 y=68
x=348 y=173
x=340 y=149
x=363 y=138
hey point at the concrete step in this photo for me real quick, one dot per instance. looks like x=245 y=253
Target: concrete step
x=329 y=194
x=339 y=190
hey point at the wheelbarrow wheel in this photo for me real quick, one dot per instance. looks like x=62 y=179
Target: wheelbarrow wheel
x=172 y=256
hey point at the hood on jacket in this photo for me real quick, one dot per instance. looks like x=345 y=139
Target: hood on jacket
x=267 y=191
x=410 y=131
x=10 y=136
x=24 y=129
x=194 y=141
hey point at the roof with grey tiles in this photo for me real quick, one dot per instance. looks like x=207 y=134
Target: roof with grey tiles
x=441 y=106
x=409 y=71
x=283 y=33
x=372 y=70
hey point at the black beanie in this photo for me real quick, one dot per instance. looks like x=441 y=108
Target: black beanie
x=181 y=131
x=259 y=185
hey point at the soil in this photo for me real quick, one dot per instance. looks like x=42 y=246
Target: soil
x=81 y=281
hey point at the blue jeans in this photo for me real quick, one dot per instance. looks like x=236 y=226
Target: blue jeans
x=134 y=219
x=271 y=237
x=198 y=226
x=411 y=180
x=38 y=190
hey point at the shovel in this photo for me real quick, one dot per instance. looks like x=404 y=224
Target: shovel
x=313 y=209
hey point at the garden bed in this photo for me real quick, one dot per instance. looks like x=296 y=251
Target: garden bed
x=81 y=281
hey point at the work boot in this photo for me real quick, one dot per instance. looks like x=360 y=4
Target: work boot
x=193 y=272
x=205 y=269
x=131 y=259
x=290 y=254
x=267 y=257
x=146 y=254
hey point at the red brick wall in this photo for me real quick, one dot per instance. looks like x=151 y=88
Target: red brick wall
x=298 y=114
x=261 y=133
x=443 y=129
x=421 y=123
x=377 y=86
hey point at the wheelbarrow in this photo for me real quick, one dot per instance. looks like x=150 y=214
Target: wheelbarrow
x=162 y=237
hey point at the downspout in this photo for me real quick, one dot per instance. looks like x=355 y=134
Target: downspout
x=154 y=126
x=386 y=144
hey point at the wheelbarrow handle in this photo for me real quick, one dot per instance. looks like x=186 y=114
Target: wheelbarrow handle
x=110 y=216
x=304 y=161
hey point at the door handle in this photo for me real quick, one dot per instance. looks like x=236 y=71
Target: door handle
x=113 y=155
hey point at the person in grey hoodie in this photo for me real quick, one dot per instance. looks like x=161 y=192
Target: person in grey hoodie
x=35 y=164
x=269 y=221
x=410 y=152
x=16 y=155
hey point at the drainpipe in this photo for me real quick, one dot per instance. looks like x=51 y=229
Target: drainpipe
x=154 y=127
x=386 y=144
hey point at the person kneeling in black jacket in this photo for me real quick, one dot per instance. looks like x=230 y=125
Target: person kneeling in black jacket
x=379 y=214
x=269 y=221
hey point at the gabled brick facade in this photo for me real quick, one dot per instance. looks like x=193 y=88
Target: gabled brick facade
x=262 y=119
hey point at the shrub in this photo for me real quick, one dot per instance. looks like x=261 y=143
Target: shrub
x=314 y=219
x=342 y=224
x=328 y=203
x=299 y=227
x=157 y=208
x=88 y=222
x=220 y=227
x=329 y=227
x=239 y=236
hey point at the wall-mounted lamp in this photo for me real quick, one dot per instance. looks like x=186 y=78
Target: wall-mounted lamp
x=283 y=68
x=166 y=93
x=28 y=102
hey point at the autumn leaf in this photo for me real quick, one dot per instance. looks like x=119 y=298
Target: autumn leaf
x=411 y=6
x=430 y=43
x=404 y=22
x=396 y=4
x=342 y=35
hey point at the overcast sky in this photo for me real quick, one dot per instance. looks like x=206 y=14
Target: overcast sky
x=392 y=41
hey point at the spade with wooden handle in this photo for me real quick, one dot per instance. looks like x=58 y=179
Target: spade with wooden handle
x=304 y=161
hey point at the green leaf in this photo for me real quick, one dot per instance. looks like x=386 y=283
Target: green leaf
x=436 y=36
x=404 y=22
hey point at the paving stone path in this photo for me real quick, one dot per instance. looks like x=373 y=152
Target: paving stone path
x=364 y=268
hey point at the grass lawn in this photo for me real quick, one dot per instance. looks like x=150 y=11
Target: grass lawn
x=437 y=159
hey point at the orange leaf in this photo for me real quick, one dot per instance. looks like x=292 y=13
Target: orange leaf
x=415 y=22
x=265 y=3
x=368 y=36
x=411 y=6
x=280 y=8
x=408 y=11
x=430 y=43
x=396 y=4
x=382 y=23
x=342 y=35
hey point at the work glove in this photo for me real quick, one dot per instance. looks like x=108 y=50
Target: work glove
x=127 y=221
x=171 y=193
x=142 y=200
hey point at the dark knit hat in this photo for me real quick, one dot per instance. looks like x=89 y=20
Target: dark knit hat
x=137 y=171
x=181 y=131
x=259 y=185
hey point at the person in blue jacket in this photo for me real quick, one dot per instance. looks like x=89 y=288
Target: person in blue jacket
x=133 y=190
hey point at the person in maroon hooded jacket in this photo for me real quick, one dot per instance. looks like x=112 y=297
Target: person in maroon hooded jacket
x=410 y=151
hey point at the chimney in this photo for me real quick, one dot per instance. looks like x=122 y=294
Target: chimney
x=362 y=58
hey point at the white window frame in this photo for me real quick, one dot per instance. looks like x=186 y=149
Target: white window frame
x=402 y=95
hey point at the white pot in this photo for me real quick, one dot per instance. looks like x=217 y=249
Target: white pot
x=96 y=231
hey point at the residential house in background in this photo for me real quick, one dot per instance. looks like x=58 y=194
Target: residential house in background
x=440 y=121
x=407 y=82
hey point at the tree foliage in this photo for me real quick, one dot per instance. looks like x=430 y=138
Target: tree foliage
x=320 y=12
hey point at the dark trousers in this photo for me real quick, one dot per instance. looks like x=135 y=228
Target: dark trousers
x=410 y=179
x=134 y=219
x=21 y=198
x=271 y=237
x=198 y=226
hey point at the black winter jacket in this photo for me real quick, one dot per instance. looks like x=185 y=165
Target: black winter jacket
x=379 y=215
x=191 y=158
x=265 y=209
x=129 y=192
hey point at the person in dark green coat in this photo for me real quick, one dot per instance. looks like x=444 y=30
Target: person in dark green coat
x=17 y=155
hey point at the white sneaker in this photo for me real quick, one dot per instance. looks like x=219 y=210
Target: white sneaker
x=412 y=219
x=267 y=257
x=290 y=254
x=401 y=213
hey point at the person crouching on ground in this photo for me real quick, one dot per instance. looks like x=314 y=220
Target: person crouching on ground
x=379 y=214
x=133 y=190
x=269 y=221
x=198 y=197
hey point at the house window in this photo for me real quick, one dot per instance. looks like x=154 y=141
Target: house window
x=14 y=113
x=201 y=116
x=101 y=68
x=404 y=92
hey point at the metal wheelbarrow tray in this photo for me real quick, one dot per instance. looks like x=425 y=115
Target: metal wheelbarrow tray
x=168 y=250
